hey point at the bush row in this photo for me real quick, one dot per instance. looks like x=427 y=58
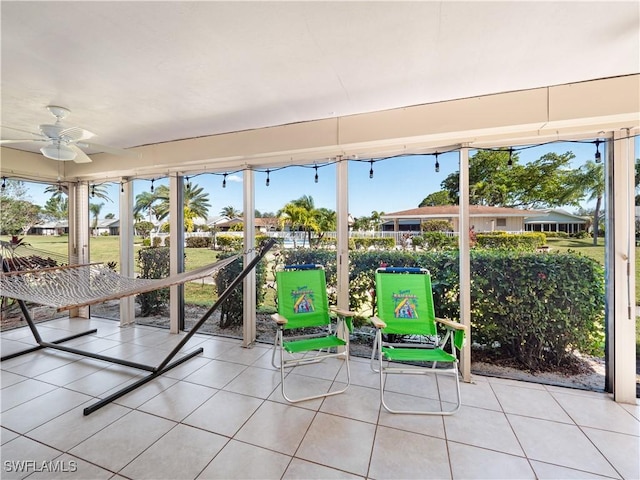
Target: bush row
x=512 y=241
x=534 y=308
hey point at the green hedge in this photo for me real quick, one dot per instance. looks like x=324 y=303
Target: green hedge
x=231 y=310
x=364 y=243
x=534 y=308
x=435 y=240
x=198 y=242
x=235 y=242
x=153 y=262
x=511 y=241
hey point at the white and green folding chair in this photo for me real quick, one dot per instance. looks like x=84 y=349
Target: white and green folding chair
x=306 y=333
x=406 y=315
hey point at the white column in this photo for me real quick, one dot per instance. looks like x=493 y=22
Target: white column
x=620 y=251
x=249 y=282
x=79 y=232
x=127 y=261
x=465 y=262
x=342 y=232
x=176 y=251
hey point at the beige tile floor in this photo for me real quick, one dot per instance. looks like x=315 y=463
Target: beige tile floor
x=221 y=415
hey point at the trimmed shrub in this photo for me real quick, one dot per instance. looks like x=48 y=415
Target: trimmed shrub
x=198 y=242
x=229 y=242
x=367 y=242
x=436 y=226
x=511 y=241
x=153 y=262
x=435 y=240
x=231 y=310
x=536 y=308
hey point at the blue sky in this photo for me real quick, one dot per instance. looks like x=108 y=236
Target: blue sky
x=397 y=184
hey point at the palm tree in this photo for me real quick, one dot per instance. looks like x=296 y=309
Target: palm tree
x=590 y=181
x=302 y=214
x=196 y=204
x=145 y=202
x=327 y=221
x=58 y=190
x=293 y=216
x=230 y=212
x=95 y=209
x=376 y=219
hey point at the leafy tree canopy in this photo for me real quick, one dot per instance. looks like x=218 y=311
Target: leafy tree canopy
x=17 y=213
x=544 y=183
x=442 y=197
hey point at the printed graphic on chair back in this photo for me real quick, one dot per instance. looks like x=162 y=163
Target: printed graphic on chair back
x=405 y=301
x=302 y=296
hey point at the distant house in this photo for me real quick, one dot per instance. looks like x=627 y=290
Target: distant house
x=483 y=219
x=55 y=227
x=106 y=226
x=225 y=224
x=262 y=224
x=267 y=224
x=555 y=220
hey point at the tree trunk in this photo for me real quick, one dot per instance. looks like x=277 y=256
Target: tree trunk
x=596 y=221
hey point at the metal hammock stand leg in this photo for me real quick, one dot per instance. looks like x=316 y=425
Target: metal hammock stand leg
x=155 y=371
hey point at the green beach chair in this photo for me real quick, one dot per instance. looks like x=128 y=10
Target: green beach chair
x=407 y=338
x=306 y=333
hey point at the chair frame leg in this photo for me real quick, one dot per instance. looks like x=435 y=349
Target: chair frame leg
x=300 y=362
x=383 y=372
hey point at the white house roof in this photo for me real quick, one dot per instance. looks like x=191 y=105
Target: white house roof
x=555 y=215
x=448 y=211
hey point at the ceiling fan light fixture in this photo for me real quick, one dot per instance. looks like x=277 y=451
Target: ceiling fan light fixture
x=58 y=151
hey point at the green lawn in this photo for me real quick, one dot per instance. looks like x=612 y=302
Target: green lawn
x=586 y=247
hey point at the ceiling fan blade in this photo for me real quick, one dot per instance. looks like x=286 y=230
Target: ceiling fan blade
x=75 y=134
x=81 y=157
x=22 y=140
x=21 y=130
x=112 y=150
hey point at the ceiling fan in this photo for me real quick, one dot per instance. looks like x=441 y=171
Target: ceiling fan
x=64 y=143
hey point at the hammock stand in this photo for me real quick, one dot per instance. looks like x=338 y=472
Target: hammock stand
x=143 y=286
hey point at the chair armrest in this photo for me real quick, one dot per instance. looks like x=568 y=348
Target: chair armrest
x=377 y=322
x=343 y=313
x=452 y=324
x=279 y=319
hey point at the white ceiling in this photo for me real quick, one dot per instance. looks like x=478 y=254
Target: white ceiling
x=138 y=73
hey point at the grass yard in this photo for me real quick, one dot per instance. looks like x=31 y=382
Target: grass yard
x=586 y=247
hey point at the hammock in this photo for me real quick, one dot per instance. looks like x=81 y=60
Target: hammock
x=74 y=286
x=70 y=286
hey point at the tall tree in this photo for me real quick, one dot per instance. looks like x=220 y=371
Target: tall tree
x=196 y=204
x=326 y=220
x=17 y=213
x=442 y=197
x=145 y=202
x=56 y=208
x=96 y=191
x=294 y=216
x=230 y=212
x=95 y=209
x=589 y=181
x=545 y=182
x=491 y=179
